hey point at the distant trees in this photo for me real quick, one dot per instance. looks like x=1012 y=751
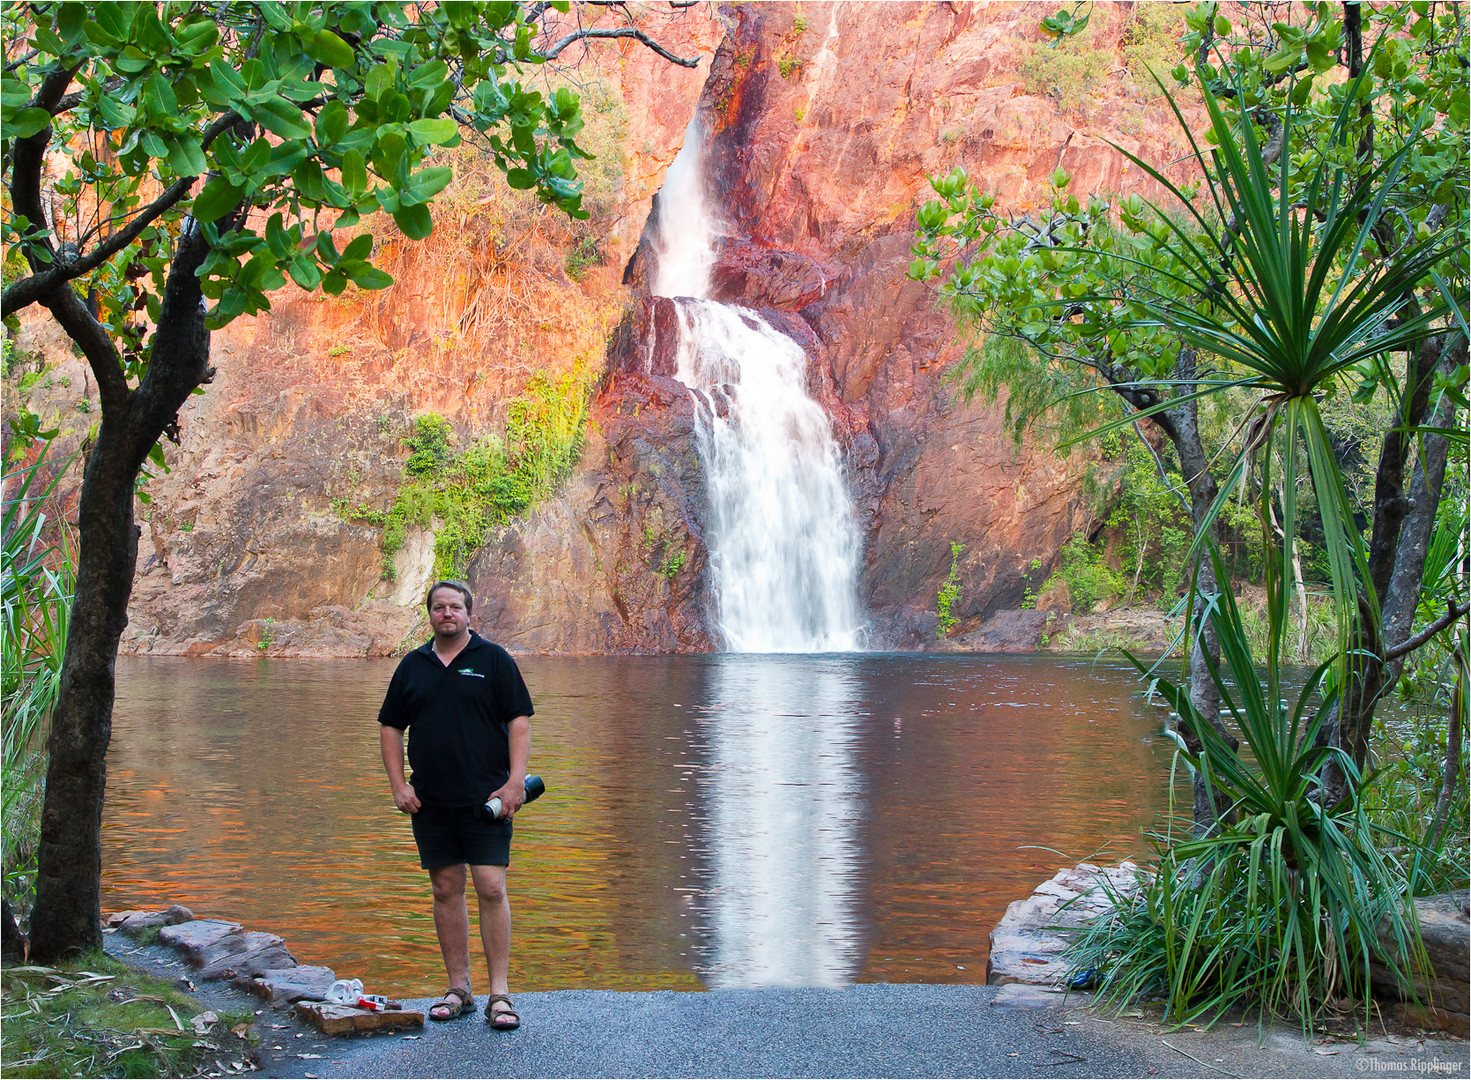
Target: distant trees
x=167 y=167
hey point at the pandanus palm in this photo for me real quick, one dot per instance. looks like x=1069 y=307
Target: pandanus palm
x=1281 y=275
x=1287 y=281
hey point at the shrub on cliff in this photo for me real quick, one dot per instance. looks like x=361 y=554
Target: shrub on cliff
x=180 y=162
x=463 y=496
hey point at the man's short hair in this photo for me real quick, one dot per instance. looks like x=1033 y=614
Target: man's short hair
x=458 y=586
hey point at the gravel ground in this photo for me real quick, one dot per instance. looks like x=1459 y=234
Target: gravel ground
x=871 y=1030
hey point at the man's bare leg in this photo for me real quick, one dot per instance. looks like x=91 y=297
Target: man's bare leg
x=452 y=922
x=495 y=926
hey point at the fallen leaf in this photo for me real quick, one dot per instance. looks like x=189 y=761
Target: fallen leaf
x=308 y=1057
x=240 y=1030
x=1323 y=1052
x=204 y=1021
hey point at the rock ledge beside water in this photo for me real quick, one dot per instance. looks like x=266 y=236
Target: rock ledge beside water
x=1028 y=943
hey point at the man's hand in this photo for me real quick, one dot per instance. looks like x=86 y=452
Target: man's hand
x=405 y=799
x=512 y=795
x=392 y=742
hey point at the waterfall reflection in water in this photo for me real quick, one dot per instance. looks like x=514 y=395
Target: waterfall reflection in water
x=710 y=821
x=782 y=803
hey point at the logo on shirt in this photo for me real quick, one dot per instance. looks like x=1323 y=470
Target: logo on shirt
x=471 y=671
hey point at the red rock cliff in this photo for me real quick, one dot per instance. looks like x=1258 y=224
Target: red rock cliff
x=824 y=120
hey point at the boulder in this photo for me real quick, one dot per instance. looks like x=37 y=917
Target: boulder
x=1010 y=631
x=222 y=949
x=193 y=937
x=244 y=957
x=131 y=922
x=341 y=1020
x=1028 y=942
x=285 y=985
x=1439 y=993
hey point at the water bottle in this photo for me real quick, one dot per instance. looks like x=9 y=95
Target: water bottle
x=534 y=788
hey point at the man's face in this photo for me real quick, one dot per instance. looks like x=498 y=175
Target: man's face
x=447 y=614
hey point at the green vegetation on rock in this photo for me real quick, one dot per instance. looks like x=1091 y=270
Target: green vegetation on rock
x=945 y=618
x=462 y=496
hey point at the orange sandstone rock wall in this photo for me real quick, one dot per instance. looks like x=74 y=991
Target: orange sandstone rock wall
x=824 y=120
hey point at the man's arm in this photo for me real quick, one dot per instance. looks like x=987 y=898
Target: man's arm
x=391 y=739
x=513 y=794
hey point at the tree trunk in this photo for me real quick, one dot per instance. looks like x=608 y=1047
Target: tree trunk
x=68 y=880
x=1181 y=424
x=1398 y=544
x=66 y=917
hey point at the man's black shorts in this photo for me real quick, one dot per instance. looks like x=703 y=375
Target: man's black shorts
x=450 y=835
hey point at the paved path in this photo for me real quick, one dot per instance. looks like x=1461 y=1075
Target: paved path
x=861 y=1031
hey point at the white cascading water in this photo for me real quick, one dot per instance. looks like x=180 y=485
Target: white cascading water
x=783 y=543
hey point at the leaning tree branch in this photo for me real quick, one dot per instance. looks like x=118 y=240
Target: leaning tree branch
x=619 y=32
x=28 y=157
x=30 y=289
x=92 y=338
x=1453 y=612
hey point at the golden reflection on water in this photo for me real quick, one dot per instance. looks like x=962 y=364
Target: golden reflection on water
x=710 y=820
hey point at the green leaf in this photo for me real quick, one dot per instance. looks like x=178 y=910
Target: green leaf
x=218 y=198
x=435 y=131
x=360 y=247
x=354 y=174
x=115 y=114
x=227 y=78
x=186 y=158
x=520 y=179
x=114 y=20
x=379 y=80
x=14 y=94
x=304 y=271
x=281 y=118
x=256 y=155
x=414 y=221
x=27 y=122
x=327 y=48
x=332 y=123
x=427 y=183
x=370 y=277
x=277 y=239
x=430 y=74
x=1281 y=60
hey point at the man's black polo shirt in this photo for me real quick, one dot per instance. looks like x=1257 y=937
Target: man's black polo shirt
x=457 y=717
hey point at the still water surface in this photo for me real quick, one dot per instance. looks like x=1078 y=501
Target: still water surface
x=710 y=821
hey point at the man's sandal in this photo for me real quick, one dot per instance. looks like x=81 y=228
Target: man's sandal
x=506 y=1019
x=457 y=1001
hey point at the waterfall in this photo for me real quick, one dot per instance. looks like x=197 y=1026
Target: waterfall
x=782 y=540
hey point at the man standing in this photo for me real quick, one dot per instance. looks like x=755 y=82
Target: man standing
x=467 y=706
